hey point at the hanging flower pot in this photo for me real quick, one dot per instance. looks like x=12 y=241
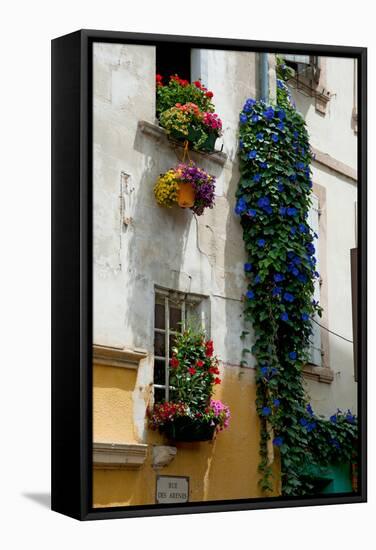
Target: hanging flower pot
x=186 y=194
x=186 y=185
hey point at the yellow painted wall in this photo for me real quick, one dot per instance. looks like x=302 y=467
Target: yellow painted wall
x=225 y=468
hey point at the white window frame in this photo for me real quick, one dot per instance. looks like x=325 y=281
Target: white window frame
x=186 y=302
x=316 y=349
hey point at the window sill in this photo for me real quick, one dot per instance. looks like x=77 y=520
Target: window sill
x=113 y=456
x=159 y=134
x=324 y=375
x=118 y=357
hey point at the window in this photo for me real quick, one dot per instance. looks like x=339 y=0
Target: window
x=172 y=311
x=173 y=60
x=304 y=66
x=315 y=350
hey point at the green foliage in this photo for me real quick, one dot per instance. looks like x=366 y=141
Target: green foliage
x=181 y=91
x=273 y=200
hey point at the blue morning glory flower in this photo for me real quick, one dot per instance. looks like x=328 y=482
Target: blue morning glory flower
x=281 y=126
x=263 y=165
x=257 y=177
x=293 y=177
x=274 y=138
x=296 y=134
x=309 y=409
x=333 y=419
x=278 y=441
x=255 y=118
x=268 y=209
x=247 y=267
x=243 y=118
x=305 y=316
x=276 y=402
x=303 y=422
x=293 y=230
x=269 y=113
x=252 y=154
x=284 y=316
x=302 y=278
x=311 y=426
x=310 y=248
x=335 y=443
x=280 y=187
x=281 y=114
x=303 y=228
x=278 y=277
x=292 y=211
x=283 y=210
x=293 y=355
x=251 y=213
x=250 y=294
x=288 y=297
x=241 y=143
x=257 y=279
x=280 y=84
x=266 y=411
x=259 y=136
x=295 y=271
x=241 y=205
x=261 y=243
x=250 y=102
x=263 y=201
x=277 y=290
x=350 y=417
x=299 y=165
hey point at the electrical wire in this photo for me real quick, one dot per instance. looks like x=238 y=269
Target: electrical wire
x=331 y=331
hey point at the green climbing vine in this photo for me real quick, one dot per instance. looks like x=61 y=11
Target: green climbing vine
x=273 y=200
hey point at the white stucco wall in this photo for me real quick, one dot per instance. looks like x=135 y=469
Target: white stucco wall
x=333 y=134
x=165 y=247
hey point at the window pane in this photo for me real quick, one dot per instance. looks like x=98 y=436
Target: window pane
x=159 y=318
x=159 y=344
x=175 y=318
x=159 y=372
x=159 y=395
x=172 y=343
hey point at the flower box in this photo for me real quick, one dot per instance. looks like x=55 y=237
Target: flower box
x=194 y=135
x=185 y=428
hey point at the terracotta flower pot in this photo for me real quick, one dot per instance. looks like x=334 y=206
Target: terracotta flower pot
x=186 y=195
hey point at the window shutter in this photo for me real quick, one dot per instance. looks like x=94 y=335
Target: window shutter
x=315 y=357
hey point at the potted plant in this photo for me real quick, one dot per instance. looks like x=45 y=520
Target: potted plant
x=186 y=112
x=186 y=185
x=191 y=414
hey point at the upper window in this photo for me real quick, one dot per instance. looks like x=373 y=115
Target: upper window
x=305 y=67
x=172 y=311
x=173 y=60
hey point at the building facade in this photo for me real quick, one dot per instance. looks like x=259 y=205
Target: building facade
x=154 y=267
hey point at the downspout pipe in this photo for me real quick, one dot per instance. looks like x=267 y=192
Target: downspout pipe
x=264 y=77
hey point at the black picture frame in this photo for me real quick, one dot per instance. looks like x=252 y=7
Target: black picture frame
x=72 y=273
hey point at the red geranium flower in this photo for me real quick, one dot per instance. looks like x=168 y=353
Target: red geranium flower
x=200 y=363
x=197 y=83
x=217 y=380
x=213 y=370
x=209 y=94
x=209 y=348
x=174 y=362
x=192 y=370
